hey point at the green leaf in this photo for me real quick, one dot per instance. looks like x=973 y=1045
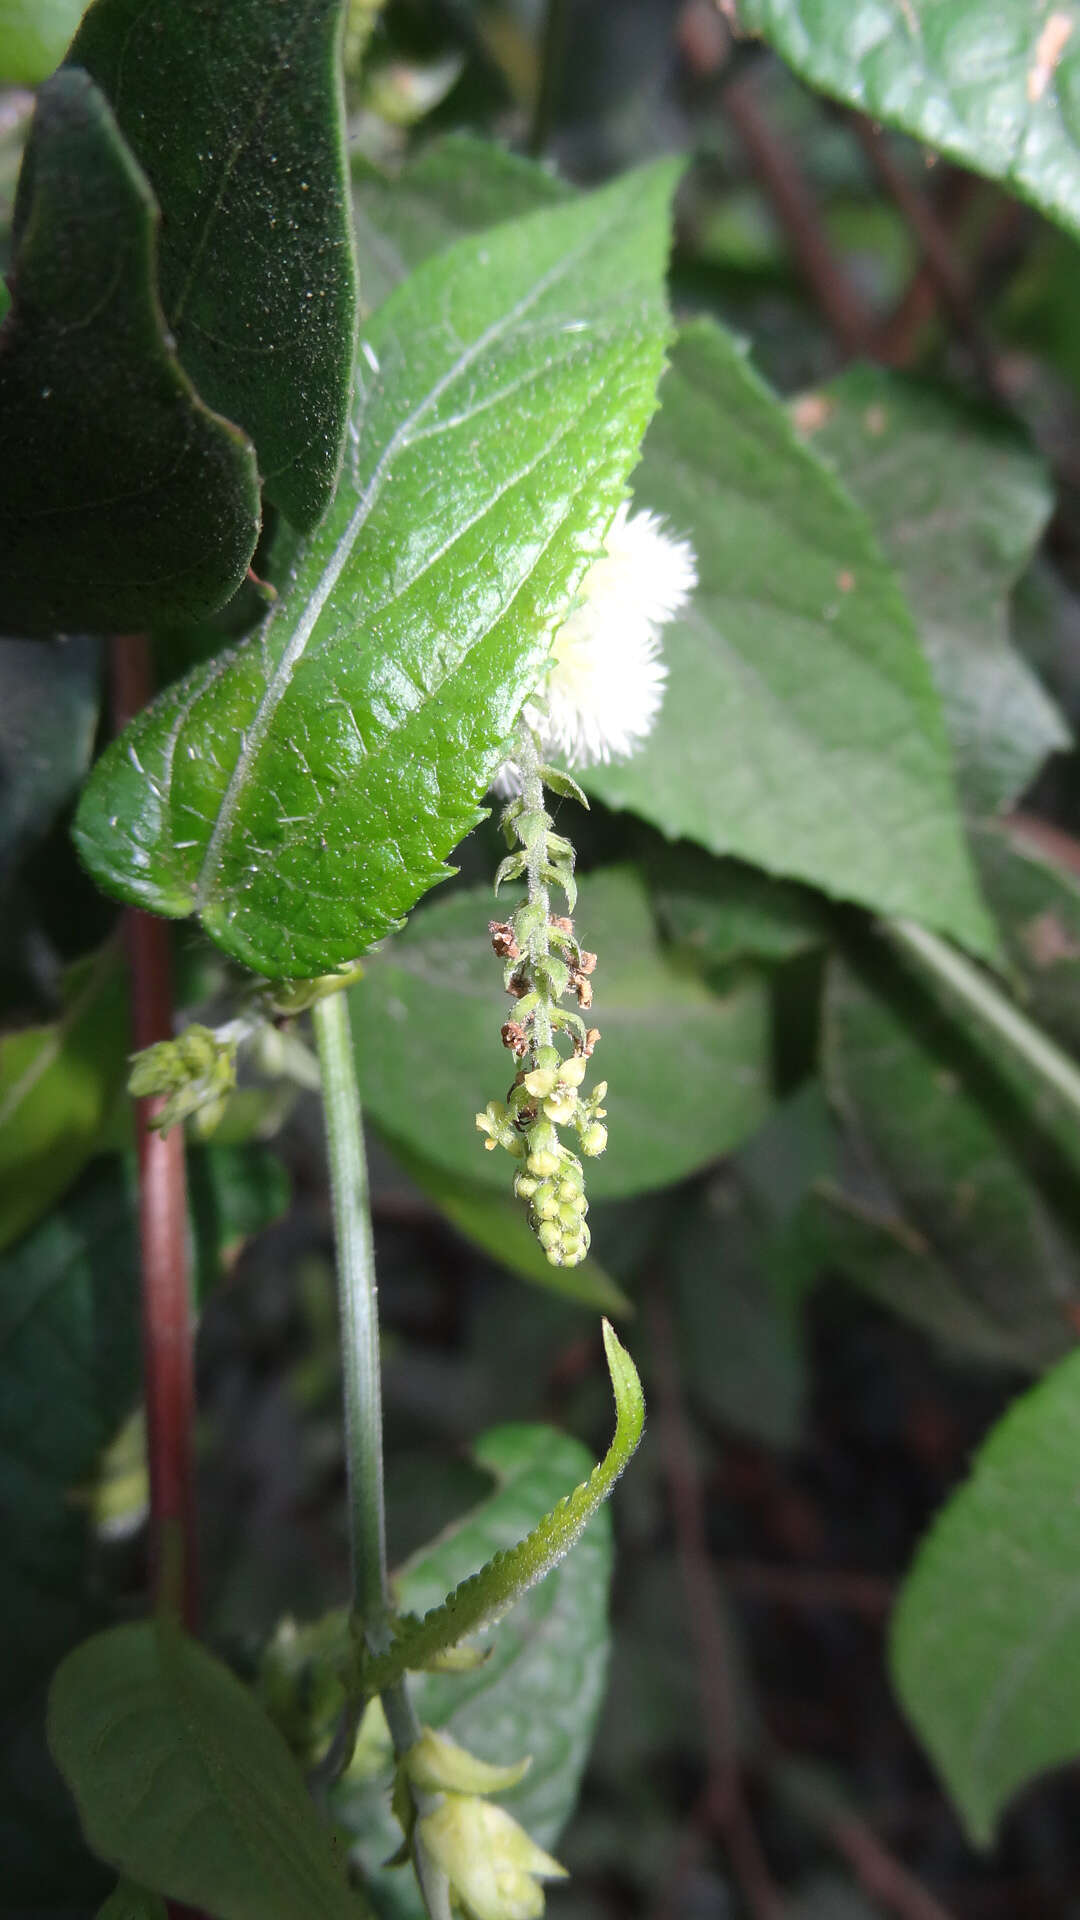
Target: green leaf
x=233 y=1193
x=455 y=186
x=33 y=37
x=234 y=111
x=984 y=1653
x=90 y=388
x=739 y=1343
x=1036 y=901
x=959 y=500
x=306 y=790
x=48 y=713
x=184 y=1785
x=497 y=1225
x=993 y=84
x=938 y=1213
x=687 y=1070
x=725 y=911
x=800 y=728
x=540 y=1687
x=485 y=1596
x=130 y=1902
x=58 y=1084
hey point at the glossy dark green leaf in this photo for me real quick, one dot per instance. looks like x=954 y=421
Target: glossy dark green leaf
x=303 y=793
x=33 y=37
x=984 y=1651
x=994 y=84
x=497 y=1225
x=937 y=1212
x=90 y=389
x=48 y=713
x=800 y=728
x=233 y=109
x=687 y=1070
x=959 y=500
x=541 y=1687
x=455 y=186
x=184 y=1785
x=58 y=1085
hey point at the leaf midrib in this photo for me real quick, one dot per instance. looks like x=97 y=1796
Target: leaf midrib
x=294 y=652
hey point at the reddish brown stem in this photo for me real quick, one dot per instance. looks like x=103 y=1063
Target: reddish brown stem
x=936 y=247
x=797 y=213
x=168 y=1364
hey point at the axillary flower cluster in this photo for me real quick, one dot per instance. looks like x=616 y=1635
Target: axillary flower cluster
x=603 y=691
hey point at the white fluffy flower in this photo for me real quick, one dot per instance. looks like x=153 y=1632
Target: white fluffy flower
x=606 y=680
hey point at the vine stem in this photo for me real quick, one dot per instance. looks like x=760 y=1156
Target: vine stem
x=358 y=1296
x=167 y=1318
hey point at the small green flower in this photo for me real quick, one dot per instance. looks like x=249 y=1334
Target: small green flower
x=494 y=1868
x=193 y=1073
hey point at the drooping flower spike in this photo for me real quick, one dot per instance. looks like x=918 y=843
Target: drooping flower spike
x=601 y=697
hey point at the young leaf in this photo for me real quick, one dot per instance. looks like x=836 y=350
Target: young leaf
x=990 y=83
x=90 y=389
x=485 y=1596
x=184 y=1785
x=800 y=728
x=959 y=500
x=688 y=1070
x=984 y=1652
x=234 y=111
x=539 y=1688
x=305 y=791
x=33 y=36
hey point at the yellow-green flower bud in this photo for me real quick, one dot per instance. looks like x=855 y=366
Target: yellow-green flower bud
x=549 y=1234
x=525 y=1186
x=594 y=1140
x=492 y=1865
x=437 y=1764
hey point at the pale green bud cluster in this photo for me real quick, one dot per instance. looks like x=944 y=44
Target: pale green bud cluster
x=495 y=1870
x=543 y=963
x=193 y=1073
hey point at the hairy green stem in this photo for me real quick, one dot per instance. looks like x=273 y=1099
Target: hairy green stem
x=999 y=1022
x=360 y=1368
x=359 y=1318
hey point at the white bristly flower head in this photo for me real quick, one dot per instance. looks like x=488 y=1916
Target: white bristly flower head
x=606 y=681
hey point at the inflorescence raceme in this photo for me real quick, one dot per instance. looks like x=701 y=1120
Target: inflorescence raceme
x=543 y=964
